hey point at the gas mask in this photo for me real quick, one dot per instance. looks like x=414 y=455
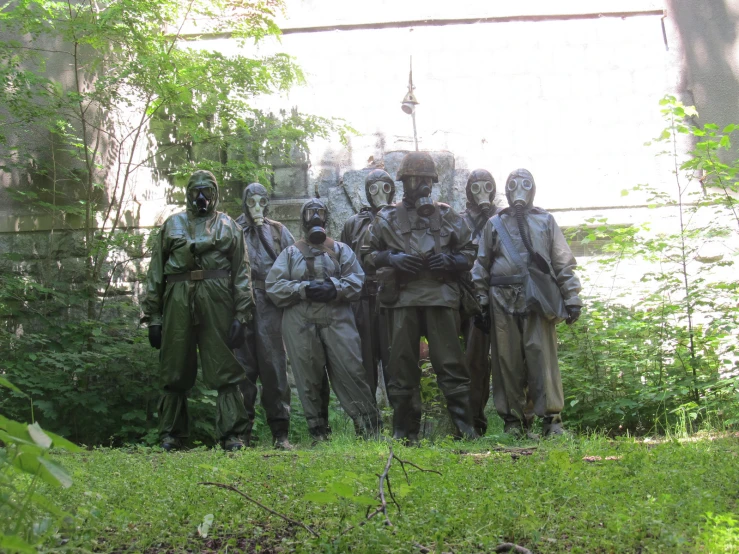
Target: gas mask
x=418 y=190
x=202 y=193
x=314 y=222
x=379 y=193
x=201 y=198
x=520 y=189
x=256 y=204
x=481 y=193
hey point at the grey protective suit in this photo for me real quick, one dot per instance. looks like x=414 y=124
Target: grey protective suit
x=477 y=343
x=321 y=335
x=372 y=321
x=263 y=352
x=199 y=282
x=525 y=371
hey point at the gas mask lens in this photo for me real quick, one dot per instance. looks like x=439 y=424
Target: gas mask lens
x=310 y=213
x=207 y=192
x=476 y=187
x=375 y=188
x=251 y=202
x=511 y=185
x=526 y=184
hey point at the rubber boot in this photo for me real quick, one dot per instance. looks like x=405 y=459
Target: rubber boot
x=406 y=419
x=170 y=443
x=232 y=444
x=459 y=411
x=367 y=427
x=552 y=426
x=319 y=433
x=279 y=436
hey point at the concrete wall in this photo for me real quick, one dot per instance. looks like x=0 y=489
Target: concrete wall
x=569 y=90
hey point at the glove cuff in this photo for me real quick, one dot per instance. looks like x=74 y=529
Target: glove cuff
x=382 y=259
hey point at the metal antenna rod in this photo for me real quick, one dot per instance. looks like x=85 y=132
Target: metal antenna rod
x=410 y=102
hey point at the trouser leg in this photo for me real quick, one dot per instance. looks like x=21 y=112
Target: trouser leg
x=246 y=355
x=447 y=358
x=342 y=345
x=542 y=367
x=178 y=364
x=270 y=351
x=477 y=356
x=221 y=370
x=508 y=370
x=363 y=319
x=384 y=325
x=404 y=385
x=308 y=363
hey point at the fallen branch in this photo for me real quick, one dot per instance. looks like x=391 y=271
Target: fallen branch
x=510 y=547
x=270 y=510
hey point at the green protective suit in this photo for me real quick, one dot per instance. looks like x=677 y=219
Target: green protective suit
x=263 y=351
x=195 y=314
x=477 y=343
x=427 y=305
x=525 y=371
x=322 y=336
x=371 y=320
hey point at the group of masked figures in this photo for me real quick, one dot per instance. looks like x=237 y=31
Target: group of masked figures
x=246 y=296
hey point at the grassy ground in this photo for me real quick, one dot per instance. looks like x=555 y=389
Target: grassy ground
x=574 y=494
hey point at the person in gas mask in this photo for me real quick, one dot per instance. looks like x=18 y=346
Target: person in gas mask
x=427 y=247
x=198 y=300
x=525 y=372
x=480 y=192
x=314 y=280
x=371 y=320
x=263 y=352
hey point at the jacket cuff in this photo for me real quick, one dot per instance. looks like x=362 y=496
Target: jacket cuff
x=301 y=290
x=573 y=301
x=339 y=289
x=152 y=319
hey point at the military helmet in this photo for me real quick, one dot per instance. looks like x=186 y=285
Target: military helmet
x=418 y=164
x=378 y=175
x=479 y=175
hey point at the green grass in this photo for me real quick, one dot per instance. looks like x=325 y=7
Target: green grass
x=654 y=497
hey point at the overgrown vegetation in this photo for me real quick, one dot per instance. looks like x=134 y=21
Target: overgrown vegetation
x=95 y=97
x=662 y=351
x=586 y=494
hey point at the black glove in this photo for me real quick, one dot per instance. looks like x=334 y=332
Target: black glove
x=573 y=314
x=448 y=262
x=399 y=261
x=321 y=291
x=155 y=336
x=236 y=334
x=482 y=321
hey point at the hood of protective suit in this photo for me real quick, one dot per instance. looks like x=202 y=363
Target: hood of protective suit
x=201 y=179
x=520 y=188
x=255 y=194
x=314 y=225
x=379 y=188
x=477 y=191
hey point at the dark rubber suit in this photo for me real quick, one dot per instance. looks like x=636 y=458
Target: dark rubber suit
x=372 y=322
x=477 y=343
x=263 y=352
x=196 y=314
x=428 y=306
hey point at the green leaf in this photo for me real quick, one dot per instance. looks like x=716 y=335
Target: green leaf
x=204 y=527
x=38 y=436
x=342 y=489
x=15 y=544
x=624 y=192
x=364 y=500
x=320 y=497
x=55 y=474
x=8 y=385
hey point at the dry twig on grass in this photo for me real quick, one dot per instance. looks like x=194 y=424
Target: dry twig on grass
x=270 y=510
